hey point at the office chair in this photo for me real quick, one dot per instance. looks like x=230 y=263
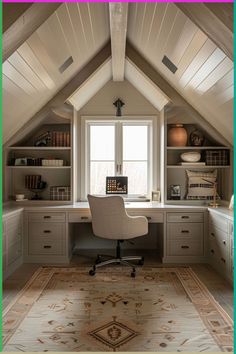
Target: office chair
x=110 y=221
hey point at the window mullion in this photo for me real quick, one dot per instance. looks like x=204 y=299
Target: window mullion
x=118 y=148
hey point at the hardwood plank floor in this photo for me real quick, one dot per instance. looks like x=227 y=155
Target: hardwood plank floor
x=221 y=290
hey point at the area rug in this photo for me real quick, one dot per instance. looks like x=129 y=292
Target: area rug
x=161 y=310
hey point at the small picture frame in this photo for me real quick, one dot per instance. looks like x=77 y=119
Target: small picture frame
x=231 y=204
x=175 y=192
x=156 y=196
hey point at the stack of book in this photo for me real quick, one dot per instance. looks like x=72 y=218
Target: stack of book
x=60 y=139
x=32 y=181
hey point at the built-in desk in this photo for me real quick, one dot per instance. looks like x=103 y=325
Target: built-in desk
x=48 y=230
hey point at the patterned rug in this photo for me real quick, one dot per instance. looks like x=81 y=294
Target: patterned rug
x=161 y=310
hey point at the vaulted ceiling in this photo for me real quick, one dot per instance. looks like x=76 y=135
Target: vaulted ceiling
x=32 y=75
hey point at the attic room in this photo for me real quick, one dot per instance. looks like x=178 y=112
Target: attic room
x=118 y=198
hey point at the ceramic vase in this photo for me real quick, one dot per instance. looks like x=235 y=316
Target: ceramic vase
x=177 y=135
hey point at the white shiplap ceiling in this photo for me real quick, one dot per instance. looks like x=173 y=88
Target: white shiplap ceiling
x=31 y=75
x=204 y=76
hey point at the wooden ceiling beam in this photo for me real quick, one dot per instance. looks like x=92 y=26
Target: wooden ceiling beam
x=59 y=100
x=176 y=98
x=215 y=20
x=118 y=28
x=26 y=21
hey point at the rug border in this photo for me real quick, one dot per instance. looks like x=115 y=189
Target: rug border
x=177 y=270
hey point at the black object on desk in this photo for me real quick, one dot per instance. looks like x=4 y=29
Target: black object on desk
x=117 y=185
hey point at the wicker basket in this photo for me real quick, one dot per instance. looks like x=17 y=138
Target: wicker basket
x=60 y=193
x=217 y=157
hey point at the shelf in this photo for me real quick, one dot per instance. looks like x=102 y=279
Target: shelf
x=197 y=148
x=38 y=148
x=39 y=167
x=198 y=167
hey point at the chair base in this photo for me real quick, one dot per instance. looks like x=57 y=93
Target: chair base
x=118 y=260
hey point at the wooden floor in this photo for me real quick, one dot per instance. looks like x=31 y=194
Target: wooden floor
x=218 y=287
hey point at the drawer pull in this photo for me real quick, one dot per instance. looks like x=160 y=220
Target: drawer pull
x=224 y=242
x=212 y=234
x=47 y=231
x=223 y=260
x=212 y=251
x=47 y=217
x=185 y=231
x=185 y=247
x=149 y=217
x=46 y=246
x=184 y=217
x=84 y=217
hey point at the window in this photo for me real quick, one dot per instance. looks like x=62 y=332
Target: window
x=117 y=148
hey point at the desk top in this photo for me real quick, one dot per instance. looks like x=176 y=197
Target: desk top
x=11 y=208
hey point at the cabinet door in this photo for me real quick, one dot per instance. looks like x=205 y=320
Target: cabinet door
x=231 y=241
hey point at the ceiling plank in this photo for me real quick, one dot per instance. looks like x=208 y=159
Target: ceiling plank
x=118 y=28
x=25 y=24
x=136 y=58
x=61 y=97
x=215 y=20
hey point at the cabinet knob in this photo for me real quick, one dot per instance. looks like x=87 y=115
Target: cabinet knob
x=185 y=217
x=185 y=247
x=47 y=246
x=47 y=231
x=223 y=260
x=185 y=231
x=212 y=251
x=47 y=217
x=224 y=242
x=212 y=234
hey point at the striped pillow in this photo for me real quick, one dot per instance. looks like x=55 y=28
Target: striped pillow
x=198 y=185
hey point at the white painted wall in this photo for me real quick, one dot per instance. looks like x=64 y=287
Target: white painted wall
x=102 y=105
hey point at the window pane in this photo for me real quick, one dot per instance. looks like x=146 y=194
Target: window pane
x=102 y=142
x=135 y=142
x=98 y=173
x=137 y=177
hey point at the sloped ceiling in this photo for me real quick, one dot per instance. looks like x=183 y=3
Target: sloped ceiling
x=31 y=75
x=204 y=76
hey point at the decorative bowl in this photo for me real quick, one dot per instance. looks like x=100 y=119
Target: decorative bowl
x=191 y=156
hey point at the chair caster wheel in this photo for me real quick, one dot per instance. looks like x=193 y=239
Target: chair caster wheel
x=141 y=262
x=92 y=272
x=133 y=274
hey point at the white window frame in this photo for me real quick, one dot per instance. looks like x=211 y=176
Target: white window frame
x=153 y=156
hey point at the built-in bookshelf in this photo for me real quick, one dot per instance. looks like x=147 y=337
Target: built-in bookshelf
x=45 y=154
x=175 y=169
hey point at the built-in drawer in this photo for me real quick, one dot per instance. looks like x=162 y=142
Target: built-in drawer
x=190 y=231
x=218 y=221
x=46 y=246
x=79 y=217
x=220 y=237
x=185 y=248
x=13 y=223
x=46 y=217
x=14 y=252
x=185 y=217
x=218 y=256
x=14 y=235
x=153 y=217
x=46 y=230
